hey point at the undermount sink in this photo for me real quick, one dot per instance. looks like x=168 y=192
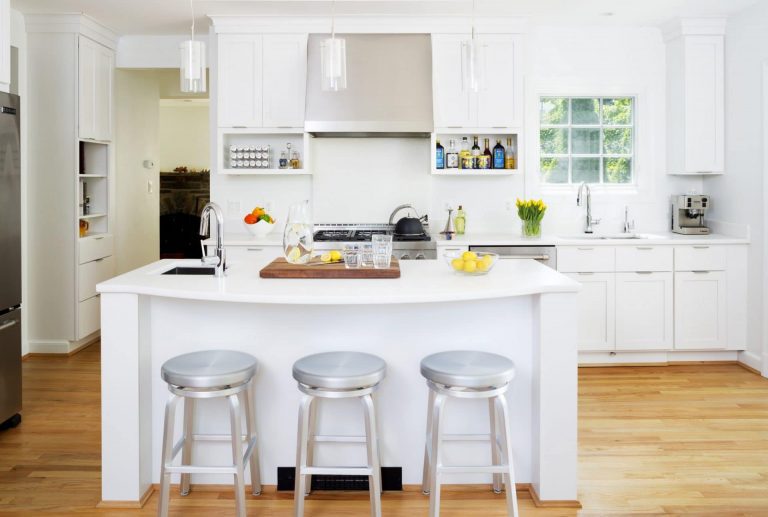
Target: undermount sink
x=618 y=236
x=191 y=271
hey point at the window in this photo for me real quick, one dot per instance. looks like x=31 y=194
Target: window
x=587 y=139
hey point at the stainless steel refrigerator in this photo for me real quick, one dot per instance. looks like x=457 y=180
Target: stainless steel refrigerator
x=10 y=261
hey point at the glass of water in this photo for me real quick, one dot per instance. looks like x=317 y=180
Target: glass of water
x=351 y=257
x=366 y=255
x=382 y=250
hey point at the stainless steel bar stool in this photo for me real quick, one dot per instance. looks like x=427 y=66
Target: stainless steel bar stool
x=202 y=375
x=468 y=375
x=337 y=375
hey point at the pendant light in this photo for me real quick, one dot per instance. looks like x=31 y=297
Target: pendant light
x=333 y=58
x=472 y=61
x=192 y=70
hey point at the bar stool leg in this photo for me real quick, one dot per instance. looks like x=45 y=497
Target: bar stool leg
x=165 y=476
x=237 y=453
x=497 y=478
x=311 y=442
x=506 y=447
x=250 y=425
x=425 y=471
x=435 y=461
x=301 y=455
x=186 y=451
x=372 y=442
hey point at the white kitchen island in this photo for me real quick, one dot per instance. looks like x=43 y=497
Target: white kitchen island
x=521 y=309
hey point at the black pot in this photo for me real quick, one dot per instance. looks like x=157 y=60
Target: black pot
x=409 y=226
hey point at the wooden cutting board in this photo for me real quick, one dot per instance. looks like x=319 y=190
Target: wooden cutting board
x=280 y=268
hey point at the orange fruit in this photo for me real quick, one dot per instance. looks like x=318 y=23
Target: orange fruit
x=250 y=219
x=258 y=211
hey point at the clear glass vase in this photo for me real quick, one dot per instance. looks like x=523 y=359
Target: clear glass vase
x=297 y=236
x=531 y=229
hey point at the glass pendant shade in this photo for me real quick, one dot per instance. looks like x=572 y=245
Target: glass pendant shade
x=472 y=65
x=193 y=66
x=333 y=64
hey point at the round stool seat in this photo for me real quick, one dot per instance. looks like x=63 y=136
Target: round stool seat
x=209 y=369
x=339 y=370
x=468 y=369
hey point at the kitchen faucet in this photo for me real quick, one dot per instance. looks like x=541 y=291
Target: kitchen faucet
x=579 y=197
x=219 y=260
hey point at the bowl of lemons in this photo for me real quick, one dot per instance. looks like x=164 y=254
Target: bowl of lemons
x=470 y=262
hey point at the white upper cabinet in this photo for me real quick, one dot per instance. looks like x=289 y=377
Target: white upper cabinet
x=239 y=81
x=696 y=97
x=498 y=103
x=5 y=45
x=285 y=79
x=96 y=65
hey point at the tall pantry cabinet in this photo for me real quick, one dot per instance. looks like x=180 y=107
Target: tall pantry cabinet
x=71 y=177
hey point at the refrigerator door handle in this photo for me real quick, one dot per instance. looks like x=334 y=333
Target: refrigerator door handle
x=8 y=324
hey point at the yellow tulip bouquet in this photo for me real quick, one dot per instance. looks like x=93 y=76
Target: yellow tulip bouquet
x=531 y=212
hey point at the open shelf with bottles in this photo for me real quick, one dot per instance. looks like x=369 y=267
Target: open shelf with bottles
x=92 y=184
x=445 y=136
x=252 y=151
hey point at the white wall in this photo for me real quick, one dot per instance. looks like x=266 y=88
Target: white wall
x=738 y=195
x=183 y=135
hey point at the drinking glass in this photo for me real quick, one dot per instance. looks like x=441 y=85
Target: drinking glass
x=297 y=236
x=366 y=255
x=382 y=251
x=352 y=257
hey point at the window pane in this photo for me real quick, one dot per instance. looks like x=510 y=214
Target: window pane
x=554 y=170
x=617 y=170
x=617 y=141
x=585 y=111
x=554 y=141
x=553 y=110
x=617 y=111
x=585 y=141
x=586 y=169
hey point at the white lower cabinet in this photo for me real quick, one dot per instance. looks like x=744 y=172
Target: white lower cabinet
x=596 y=310
x=644 y=310
x=700 y=310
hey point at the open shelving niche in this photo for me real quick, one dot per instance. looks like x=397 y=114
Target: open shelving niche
x=276 y=138
x=493 y=134
x=92 y=181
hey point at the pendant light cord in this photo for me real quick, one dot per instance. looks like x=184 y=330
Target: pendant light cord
x=473 y=20
x=333 y=19
x=192 y=8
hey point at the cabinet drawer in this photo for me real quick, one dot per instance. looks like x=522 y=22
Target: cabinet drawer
x=88 y=316
x=700 y=258
x=643 y=258
x=91 y=274
x=576 y=259
x=92 y=248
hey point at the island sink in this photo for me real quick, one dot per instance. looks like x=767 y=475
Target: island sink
x=191 y=271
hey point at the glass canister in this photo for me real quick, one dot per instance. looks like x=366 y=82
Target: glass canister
x=297 y=236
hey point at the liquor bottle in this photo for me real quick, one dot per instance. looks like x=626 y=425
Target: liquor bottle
x=439 y=156
x=487 y=159
x=295 y=163
x=452 y=156
x=475 y=154
x=460 y=221
x=465 y=155
x=498 y=155
x=510 y=159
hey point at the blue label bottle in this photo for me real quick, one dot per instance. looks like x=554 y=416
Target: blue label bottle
x=439 y=156
x=498 y=155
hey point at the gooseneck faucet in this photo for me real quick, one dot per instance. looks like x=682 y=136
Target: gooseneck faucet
x=579 y=197
x=218 y=260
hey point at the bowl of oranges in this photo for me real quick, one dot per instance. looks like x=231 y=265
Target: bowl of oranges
x=259 y=223
x=470 y=262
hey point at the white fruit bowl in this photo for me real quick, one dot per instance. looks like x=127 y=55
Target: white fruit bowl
x=450 y=256
x=259 y=229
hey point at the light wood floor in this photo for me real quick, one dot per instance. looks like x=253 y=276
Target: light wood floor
x=652 y=440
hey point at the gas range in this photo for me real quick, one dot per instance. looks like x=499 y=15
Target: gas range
x=404 y=247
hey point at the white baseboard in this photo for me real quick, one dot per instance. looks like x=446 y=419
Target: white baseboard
x=751 y=359
x=62 y=347
x=619 y=358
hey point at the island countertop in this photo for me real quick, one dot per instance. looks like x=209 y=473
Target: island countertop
x=422 y=281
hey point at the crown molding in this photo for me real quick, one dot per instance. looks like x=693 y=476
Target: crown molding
x=711 y=26
x=76 y=23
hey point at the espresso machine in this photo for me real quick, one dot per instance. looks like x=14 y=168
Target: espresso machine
x=688 y=214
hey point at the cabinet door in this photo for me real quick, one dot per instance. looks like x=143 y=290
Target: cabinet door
x=86 y=88
x=239 y=81
x=596 y=302
x=644 y=311
x=700 y=310
x=103 y=84
x=285 y=79
x=5 y=44
x=497 y=103
x=453 y=106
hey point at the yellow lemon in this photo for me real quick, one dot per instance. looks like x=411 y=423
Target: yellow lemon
x=325 y=257
x=335 y=255
x=294 y=254
x=457 y=264
x=482 y=266
x=470 y=266
x=487 y=260
x=469 y=255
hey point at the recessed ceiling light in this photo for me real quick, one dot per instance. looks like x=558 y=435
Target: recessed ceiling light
x=607 y=14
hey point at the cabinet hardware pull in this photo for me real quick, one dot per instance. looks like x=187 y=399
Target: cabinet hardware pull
x=585 y=273
x=534 y=257
x=8 y=324
x=701 y=247
x=254 y=249
x=644 y=247
x=644 y=272
x=99 y=260
x=701 y=272
x=98 y=238
x=585 y=249
x=239 y=127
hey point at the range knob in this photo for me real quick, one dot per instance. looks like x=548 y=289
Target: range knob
x=420 y=256
x=405 y=256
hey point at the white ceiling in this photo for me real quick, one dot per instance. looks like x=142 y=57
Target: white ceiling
x=173 y=16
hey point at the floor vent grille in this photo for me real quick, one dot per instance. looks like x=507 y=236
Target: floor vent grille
x=391 y=479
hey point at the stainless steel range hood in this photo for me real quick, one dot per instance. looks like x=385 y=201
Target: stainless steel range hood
x=389 y=88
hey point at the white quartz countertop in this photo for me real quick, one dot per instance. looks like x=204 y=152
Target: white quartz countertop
x=275 y=238
x=510 y=239
x=421 y=281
